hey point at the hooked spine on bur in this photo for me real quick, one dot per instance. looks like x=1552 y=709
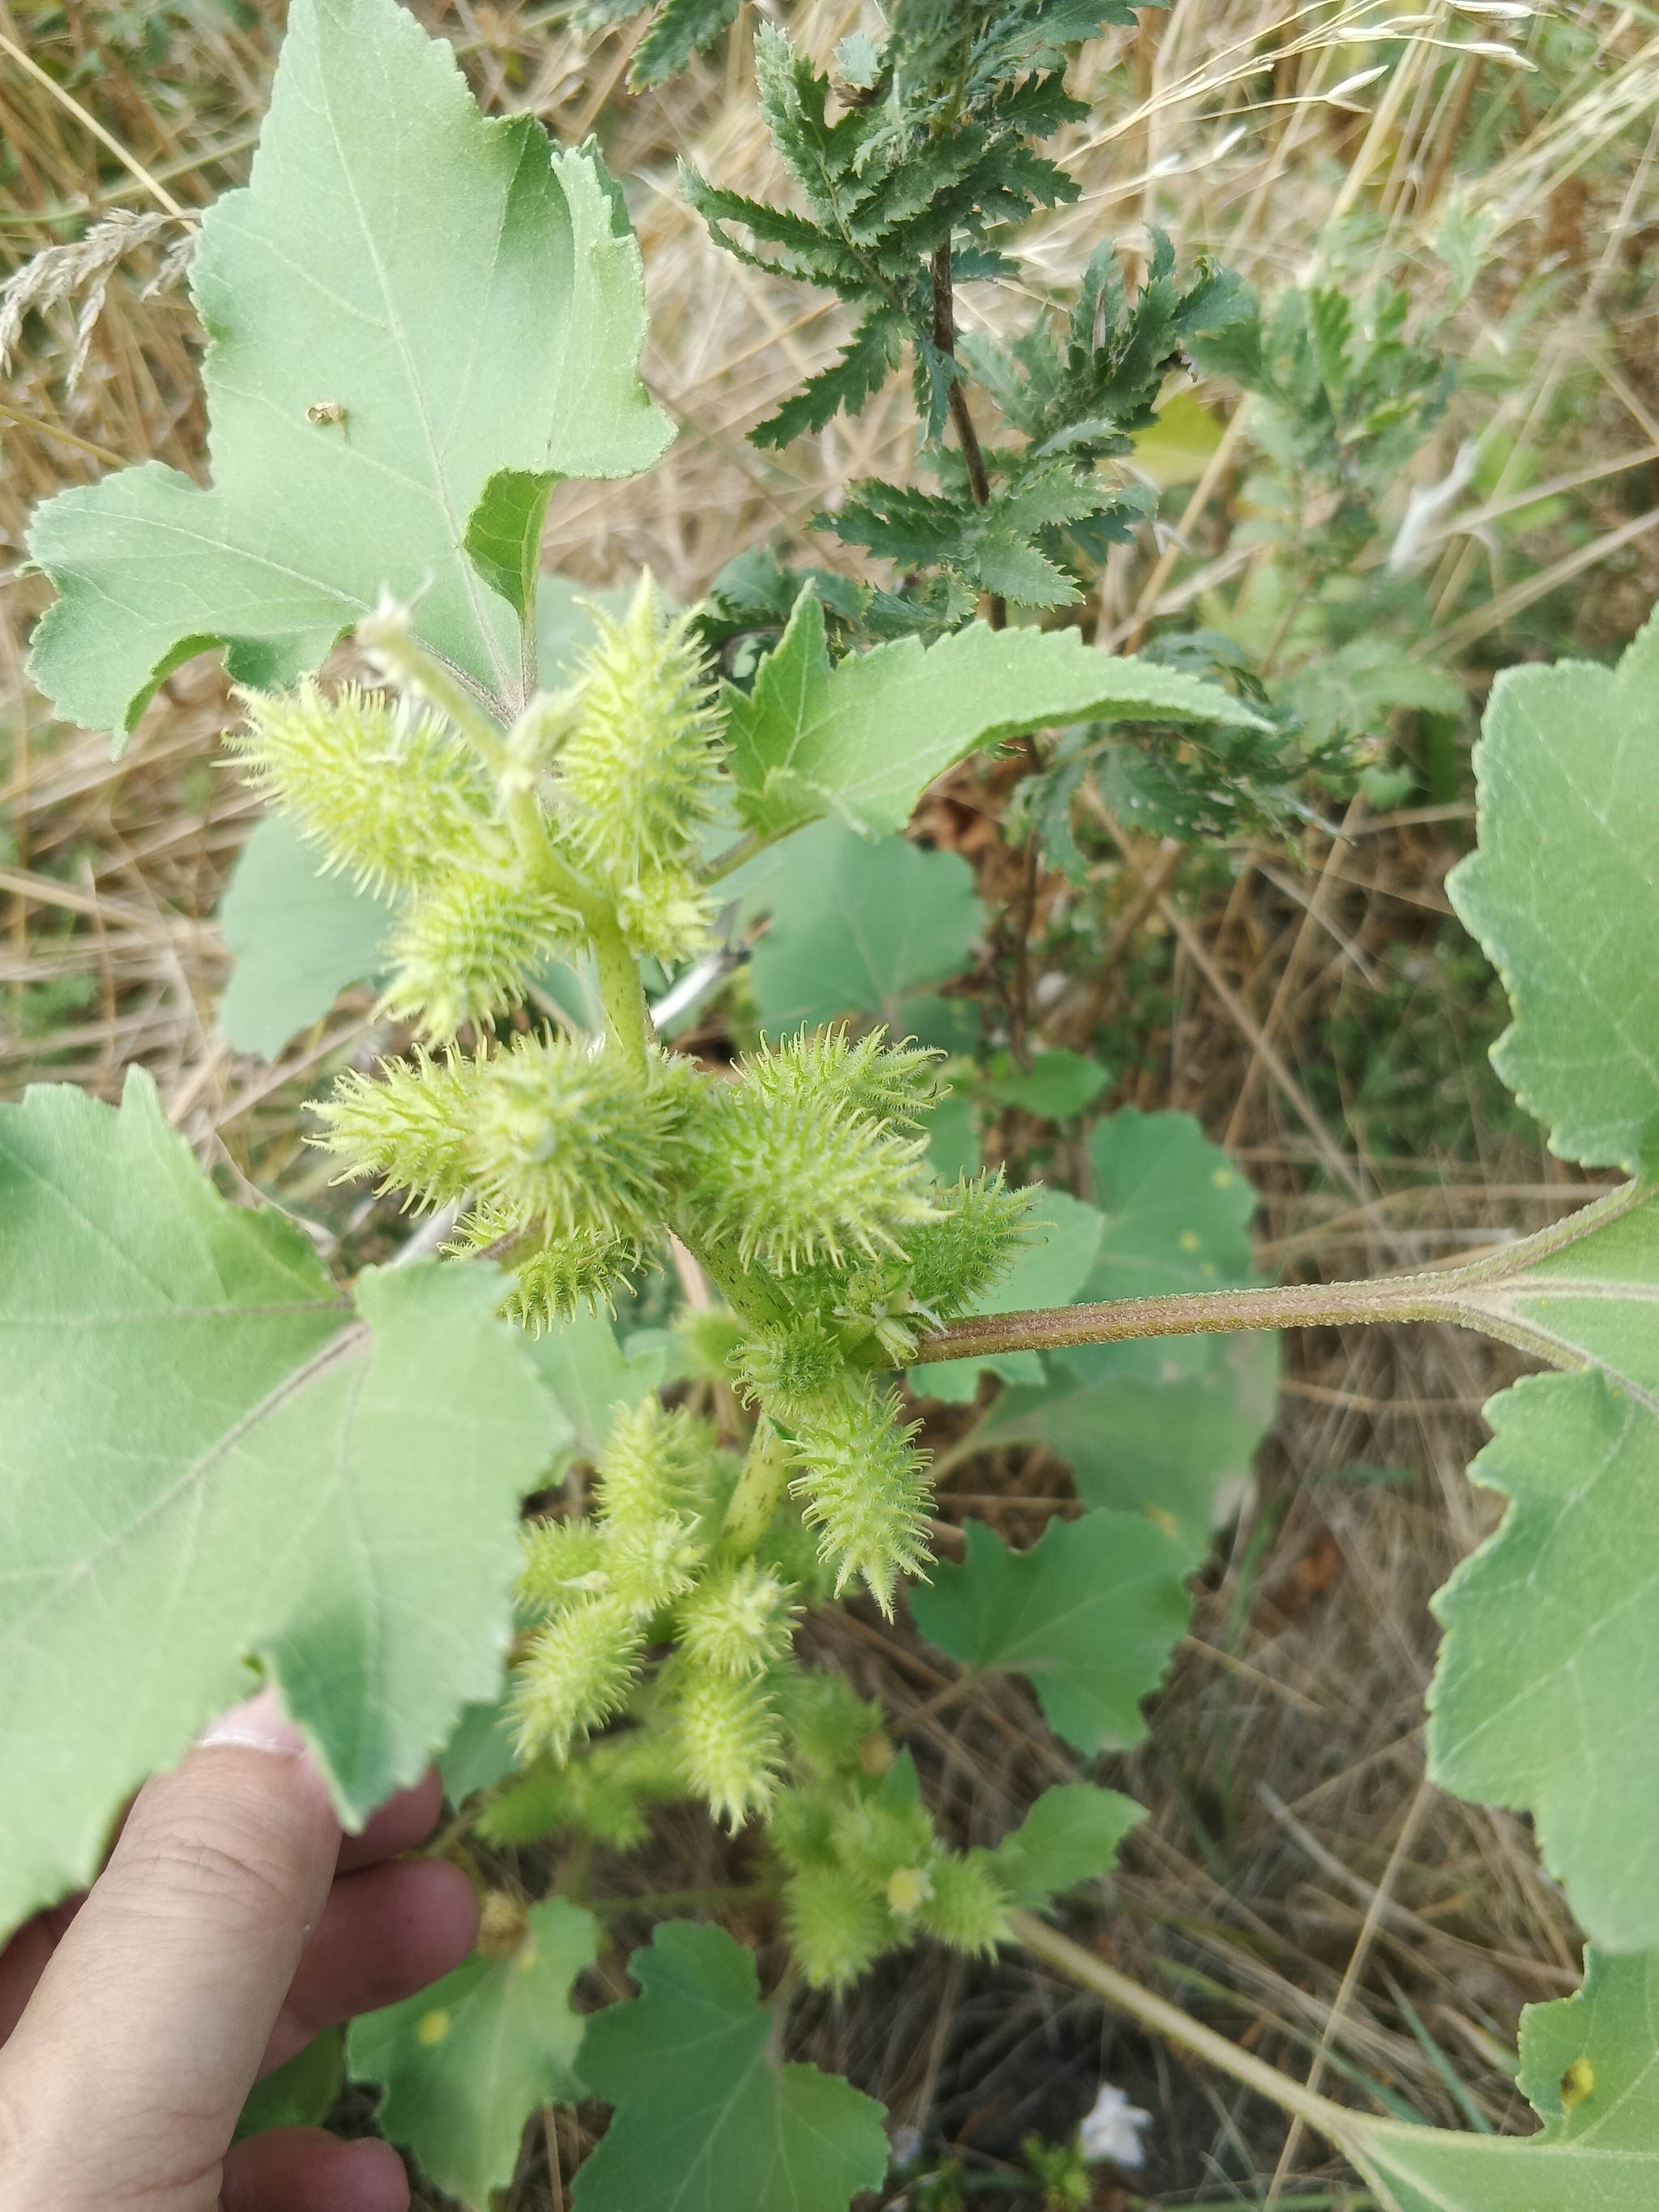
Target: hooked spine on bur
x=798 y=1179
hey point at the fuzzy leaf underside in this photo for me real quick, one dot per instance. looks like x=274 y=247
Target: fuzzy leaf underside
x=204 y=1448
x=404 y=301
x=704 y=2120
x=858 y=927
x=1551 y=1650
x=299 y=938
x=1089 y=1614
x=1564 y=894
x=865 y=739
x=1589 y=2066
x=464 y=2063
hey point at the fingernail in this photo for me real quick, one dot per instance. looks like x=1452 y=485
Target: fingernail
x=258 y=1725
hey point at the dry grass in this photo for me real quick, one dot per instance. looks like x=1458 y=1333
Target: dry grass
x=1306 y=1006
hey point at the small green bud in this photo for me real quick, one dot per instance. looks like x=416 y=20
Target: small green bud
x=836 y=1924
x=464 y=947
x=583 y=1273
x=650 y=1563
x=800 y=1829
x=563 y=1560
x=790 y=1369
x=409 y=1128
x=665 y=916
x=865 y=1488
x=829 y=1724
x=889 y=1084
x=792 y=1179
x=572 y=1141
x=710 y=1335
x=968 y=1908
x=578 y=1671
x=635 y=772
x=953 y=1259
x=738 y=1620
x=389 y=794
x=878 y=1837
x=729 y=1740
x=656 y=1463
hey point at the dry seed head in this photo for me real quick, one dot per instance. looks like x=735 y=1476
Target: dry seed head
x=409 y=1128
x=729 y=1740
x=635 y=770
x=578 y=1671
x=738 y=1621
x=389 y=794
x=465 y=945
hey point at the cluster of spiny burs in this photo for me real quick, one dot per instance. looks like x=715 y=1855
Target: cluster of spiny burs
x=797 y=1180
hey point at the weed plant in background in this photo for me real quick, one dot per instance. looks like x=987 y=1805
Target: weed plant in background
x=533 y=818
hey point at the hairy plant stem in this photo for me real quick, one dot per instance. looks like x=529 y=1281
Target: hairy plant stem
x=755 y=1500
x=626 y=1013
x=1343 y=2128
x=944 y=337
x=1478 y=1296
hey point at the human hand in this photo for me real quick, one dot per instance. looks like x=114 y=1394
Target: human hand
x=232 y=1923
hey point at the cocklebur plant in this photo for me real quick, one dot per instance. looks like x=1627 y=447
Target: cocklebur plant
x=219 y=1464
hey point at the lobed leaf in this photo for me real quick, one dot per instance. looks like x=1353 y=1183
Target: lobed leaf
x=1071 y=1834
x=199 y=1431
x=1090 y=1613
x=705 y=2120
x=404 y=301
x=299 y=938
x=464 y=2063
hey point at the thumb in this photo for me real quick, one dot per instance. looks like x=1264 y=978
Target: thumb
x=126 y=2076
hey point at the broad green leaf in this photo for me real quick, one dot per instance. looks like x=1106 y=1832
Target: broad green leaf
x=582 y=1364
x=299 y=938
x=705 y=2120
x=1178 y=1210
x=1071 y=1834
x=865 y=739
x=1549 y=1672
x=404 y=301
x=209 y=1459
x=1049 y=1271
x=1589 y=2066
x=300 y=2094
x=503 y=538
x=1057 y=1085
x=482 y=1749
x=466 y=2062
x=1091 y=1614
x=1564 y=896
x=1174 y=1448
x=858 y=927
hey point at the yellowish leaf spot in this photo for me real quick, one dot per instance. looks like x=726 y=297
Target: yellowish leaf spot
x=906 y=1888
x=527 y=1957
x=1221 y=1178
x=1160 y=1519
x=1578 y=2082
x=1190 y=1240
x=431 y=2027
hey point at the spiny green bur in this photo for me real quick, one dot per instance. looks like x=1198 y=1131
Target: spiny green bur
x=798 y=1180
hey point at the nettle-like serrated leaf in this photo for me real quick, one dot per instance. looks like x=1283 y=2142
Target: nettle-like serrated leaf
x=300 y=937
x=199 y=1431
x=858 y=928
x=466 y=2062
x=1090 y=1613
x=404 y=301
x=867 y=737
x=705 y=2121
x=1589 y=2066
x=679 y=29
x=1071 y=1834
x=1563 y=895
